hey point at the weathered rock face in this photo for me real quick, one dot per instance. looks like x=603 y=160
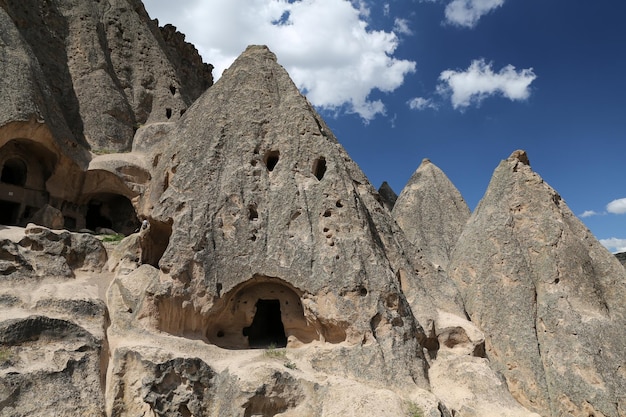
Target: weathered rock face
x=79 y=76
x=107 y=66
x=548 y=296
x=285 y=225
x=53 y=349
x=431 y=212
x=387 y=195
x=269 y=277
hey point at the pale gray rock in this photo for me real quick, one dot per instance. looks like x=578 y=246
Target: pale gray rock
x=431 y=212
x=260 y=230
x=41 y=252
x=53 y=350
x=31 y=384
x=548 y=296
x=387 y=195
x=271 y=207
x=108 y=67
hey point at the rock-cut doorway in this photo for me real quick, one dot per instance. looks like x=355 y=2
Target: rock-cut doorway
x=267 y=328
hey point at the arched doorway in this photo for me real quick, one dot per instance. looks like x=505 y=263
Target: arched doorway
x=267 y=327
x=14 y=171
x=111 y=211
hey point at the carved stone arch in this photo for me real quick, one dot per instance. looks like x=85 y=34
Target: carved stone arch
x=259 y=313
x=110 y=211
x=27 y=163
x=233 y=321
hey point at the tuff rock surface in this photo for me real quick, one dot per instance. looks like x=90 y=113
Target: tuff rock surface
x=261 y=273
x=431 y=212
x=106 y=65
x=387 y=195
x=548 y=296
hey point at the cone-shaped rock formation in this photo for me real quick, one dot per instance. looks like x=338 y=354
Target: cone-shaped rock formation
x=387 y=195
x=271 y=205
x=431 y=212
x=548 y=296
x=263 y=274
x=274 y=237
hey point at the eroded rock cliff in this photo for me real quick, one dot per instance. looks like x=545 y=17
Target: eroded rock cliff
x=107 y=66
x=262 y=274
x=548 y=296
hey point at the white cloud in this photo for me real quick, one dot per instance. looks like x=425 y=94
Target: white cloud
x=401 y=26
x=479 y=82
x=325 y=45
x=589 y=213
x=466 y=13
x=614 y=244
x=617 y=206
x=420 y=103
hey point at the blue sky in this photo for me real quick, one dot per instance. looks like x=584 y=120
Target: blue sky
x=461 y=82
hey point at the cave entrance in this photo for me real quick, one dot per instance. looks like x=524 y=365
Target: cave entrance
x=267 y=328
x=14 y=172
x=95 y=219
x=111 y=211
x=9 y=213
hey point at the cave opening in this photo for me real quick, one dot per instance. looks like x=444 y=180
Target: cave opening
x=267 y=328
x=14 y=171
x=111 y=211
x=271 y=159
x=9 y=213
x=95 y=219
x=319 y=168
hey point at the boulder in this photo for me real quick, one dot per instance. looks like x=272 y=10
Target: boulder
x=31 y=384
x=48 y=217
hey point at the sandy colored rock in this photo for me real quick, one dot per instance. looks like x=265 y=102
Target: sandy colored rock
x=109 y=67
x=284 y=211
x=261 y=273
x=548 y=296
x=48 y=217
x=431 y=212
x=52 y=324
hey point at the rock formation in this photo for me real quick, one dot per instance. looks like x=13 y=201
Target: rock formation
x=431 y=212
x=273 y=237
x=387 y=195
x=80 y=76
x=262 y=274
x=52 y=323
x=548 y=296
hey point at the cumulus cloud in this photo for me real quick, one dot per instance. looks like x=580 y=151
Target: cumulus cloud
x=466 y=13
x=420 y=103
x=589 y=213
x=614 y=244
x=617 y=206
x=402 y=27
x=479 y=81
x=327 y=46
